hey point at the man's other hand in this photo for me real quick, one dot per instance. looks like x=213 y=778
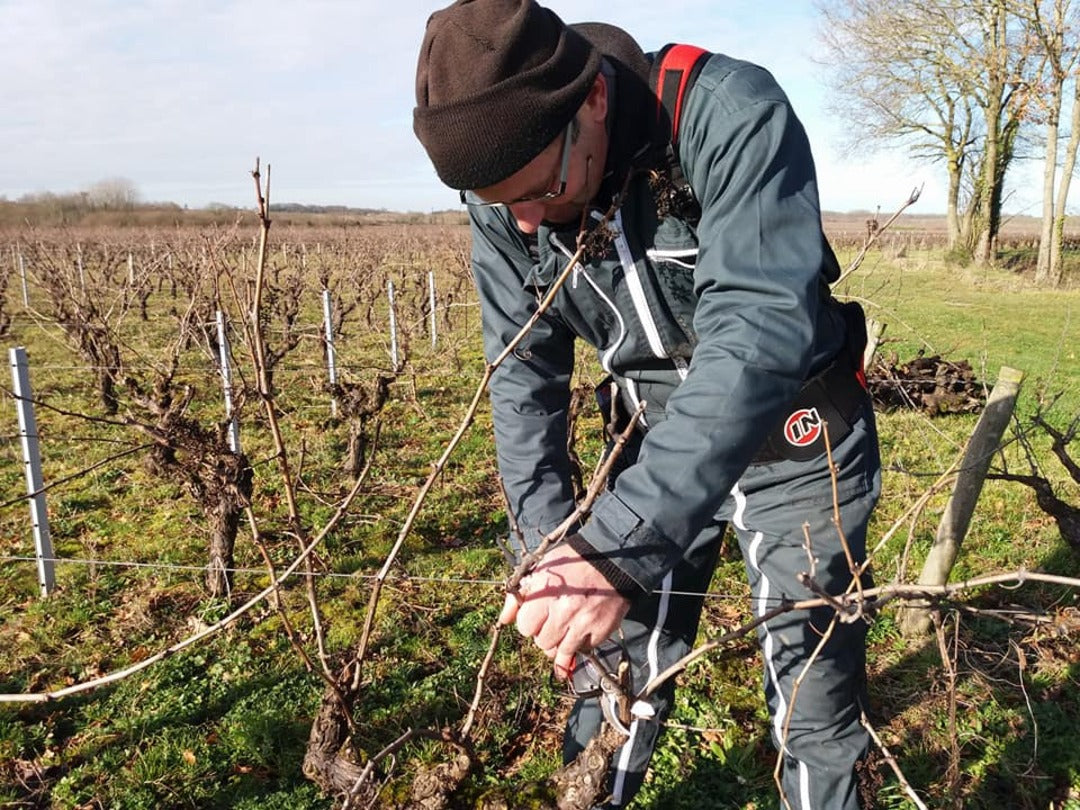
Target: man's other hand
x=566 y=606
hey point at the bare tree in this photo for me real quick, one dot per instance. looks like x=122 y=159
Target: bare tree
x=116 y=193
x=941 y=77
x=1004 y=60
x=1055 y=26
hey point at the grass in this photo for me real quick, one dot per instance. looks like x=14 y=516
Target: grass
x=990 y=317
x=225 y=724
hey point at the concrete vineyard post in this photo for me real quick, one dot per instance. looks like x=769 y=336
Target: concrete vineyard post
x=22 y=276
x=79 y=264
x=331 y=364
x=28 y=435
x=393 y=326
x=226 y=382
x=431 y=304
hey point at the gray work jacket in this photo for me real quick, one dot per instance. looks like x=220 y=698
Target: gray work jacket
x=715 y=324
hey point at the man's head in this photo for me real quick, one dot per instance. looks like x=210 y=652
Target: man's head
x=498 y=85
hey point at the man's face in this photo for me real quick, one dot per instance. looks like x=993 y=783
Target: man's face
x=557 y=184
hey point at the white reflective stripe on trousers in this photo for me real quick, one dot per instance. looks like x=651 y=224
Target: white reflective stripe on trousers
x=653 y=659
x=768 y=645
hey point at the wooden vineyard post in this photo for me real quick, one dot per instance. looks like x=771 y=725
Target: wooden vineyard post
x=874 y=330
x=28 y=435
x=984 y=442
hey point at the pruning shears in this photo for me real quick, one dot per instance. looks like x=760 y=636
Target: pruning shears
x=605 y=673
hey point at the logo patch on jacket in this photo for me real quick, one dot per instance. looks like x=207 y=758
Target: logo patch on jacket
x=803 y=427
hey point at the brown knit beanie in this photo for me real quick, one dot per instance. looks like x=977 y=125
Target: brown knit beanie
x=496 y=82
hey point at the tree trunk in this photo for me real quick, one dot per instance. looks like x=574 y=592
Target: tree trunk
x=223 y=518
x=967 y=227
x=983 y=247
x=357 y=450
x=1046 y=234
x=998 y=59
x=1056 y=270
x=1005 y=151
x=324 y=763
x=1046 y=229
x=107 y=393
x=952 y=208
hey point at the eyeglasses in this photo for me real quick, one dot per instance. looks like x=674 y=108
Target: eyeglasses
x=470 y=198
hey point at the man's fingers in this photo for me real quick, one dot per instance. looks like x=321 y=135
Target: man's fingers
x=510 y=609
x=551 y=636
x=564 y=659
x=531 y=615
x=557 y=624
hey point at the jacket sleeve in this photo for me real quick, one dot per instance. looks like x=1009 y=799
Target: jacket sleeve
x=530 y=391
x=757 y=280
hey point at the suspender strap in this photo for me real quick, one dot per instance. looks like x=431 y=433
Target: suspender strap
x=673 y=72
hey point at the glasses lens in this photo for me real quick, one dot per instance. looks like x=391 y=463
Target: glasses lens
x=470 y=198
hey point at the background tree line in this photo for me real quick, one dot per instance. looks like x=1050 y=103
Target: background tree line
x=976 y=85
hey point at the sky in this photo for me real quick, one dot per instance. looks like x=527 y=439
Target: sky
x=180 y=96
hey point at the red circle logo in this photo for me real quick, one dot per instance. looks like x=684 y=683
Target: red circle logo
x=803 y=427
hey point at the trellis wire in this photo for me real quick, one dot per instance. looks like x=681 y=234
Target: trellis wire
x=201 y=569
x=39 y=515
x=299 y=368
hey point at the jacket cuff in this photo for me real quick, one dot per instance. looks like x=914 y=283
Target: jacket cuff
x=618 y=534
x=621 y=581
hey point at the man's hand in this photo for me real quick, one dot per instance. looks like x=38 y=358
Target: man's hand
x=566 y=606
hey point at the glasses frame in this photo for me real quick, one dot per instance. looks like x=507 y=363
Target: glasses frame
x=469 y=198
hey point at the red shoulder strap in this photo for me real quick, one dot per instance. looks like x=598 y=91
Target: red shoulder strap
x=673 y=72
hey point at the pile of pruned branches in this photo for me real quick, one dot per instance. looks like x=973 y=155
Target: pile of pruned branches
x=931 y=384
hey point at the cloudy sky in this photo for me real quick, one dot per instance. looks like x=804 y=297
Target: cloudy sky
x=179 y=96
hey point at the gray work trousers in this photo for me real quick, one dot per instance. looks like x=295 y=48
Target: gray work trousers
x=767 y=510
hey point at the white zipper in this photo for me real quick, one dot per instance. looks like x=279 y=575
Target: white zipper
x=637 y=295
x=637 y=292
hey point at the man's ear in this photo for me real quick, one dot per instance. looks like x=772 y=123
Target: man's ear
x=595 y=106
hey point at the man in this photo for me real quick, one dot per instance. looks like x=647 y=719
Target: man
x=715 y=313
